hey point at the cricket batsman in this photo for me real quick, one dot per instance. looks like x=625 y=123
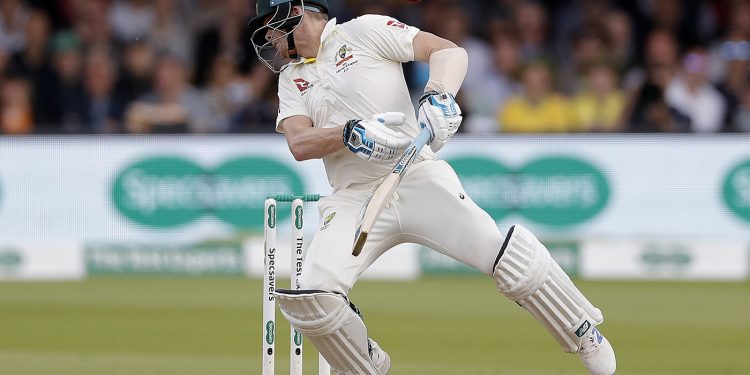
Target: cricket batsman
x=343 y=99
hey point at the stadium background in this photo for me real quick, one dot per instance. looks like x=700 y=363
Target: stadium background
x=130 y=247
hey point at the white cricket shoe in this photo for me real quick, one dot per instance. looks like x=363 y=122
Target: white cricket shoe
x=597 y=354
x=380 y=358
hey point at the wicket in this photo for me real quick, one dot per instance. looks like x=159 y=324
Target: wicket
x=269 y=281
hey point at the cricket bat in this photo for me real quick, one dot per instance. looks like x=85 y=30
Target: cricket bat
x=374 y=205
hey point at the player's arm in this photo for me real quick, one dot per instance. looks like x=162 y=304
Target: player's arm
x=307 y=142
x=372 y=140
x=426 y=43
x=438 y=109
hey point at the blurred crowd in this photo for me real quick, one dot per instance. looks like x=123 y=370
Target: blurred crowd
x=187 y=66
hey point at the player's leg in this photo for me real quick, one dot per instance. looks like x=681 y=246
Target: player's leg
x=435 y=211
x=526 y=273
x=337 y=330
x=320 y=310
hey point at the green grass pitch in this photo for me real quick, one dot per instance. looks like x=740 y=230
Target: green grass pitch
x=436 y=326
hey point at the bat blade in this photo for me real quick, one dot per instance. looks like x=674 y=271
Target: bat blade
x=372 y=209
x=359 y=242
x=374 y=205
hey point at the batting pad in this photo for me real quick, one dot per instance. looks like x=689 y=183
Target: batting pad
x=526 y=273
x=330 y=323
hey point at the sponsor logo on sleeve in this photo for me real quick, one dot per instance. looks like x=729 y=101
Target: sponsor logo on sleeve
x=396 y=24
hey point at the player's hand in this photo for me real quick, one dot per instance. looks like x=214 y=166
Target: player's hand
x=441 y=114
x=375 y=140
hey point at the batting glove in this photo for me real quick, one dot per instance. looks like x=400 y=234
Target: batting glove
x=441 y=114
x=375 y=140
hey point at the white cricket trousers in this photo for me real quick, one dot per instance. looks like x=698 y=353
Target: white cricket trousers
x=429 y=208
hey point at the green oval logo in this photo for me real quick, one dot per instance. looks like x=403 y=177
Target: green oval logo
x=270 y=332
x=553 y=190
x=297 y=338
x=162 y=192
x=489 y=183
x=170 y=191
x=559 y=191
x=272 y=216
x=240 y=187
x=10 y=258
x=736 y=190
x=298 y=217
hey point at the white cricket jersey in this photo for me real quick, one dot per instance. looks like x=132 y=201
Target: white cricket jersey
x=357 y=74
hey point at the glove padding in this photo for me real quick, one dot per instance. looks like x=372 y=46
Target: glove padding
x=374 y=140
x=441 y=114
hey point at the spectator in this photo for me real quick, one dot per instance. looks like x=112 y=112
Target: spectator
x=102 y=109
x=228 y=36
x=170 y=32
x=4 y=62
x=13 y=16
x=500 y=84
x=742 y=117
x=91 y=23
x=571 y=18
x=680 y=18
x=589 y=46
x=173 y=106
x=132 y=19
x=136 y=74
x=661 y=53
x=648 y=111
x=16 y=116
x=228 y=91
x=618 y=29
x=68 y=66
x=538 y=109
x=259 y=115
x=599 y=107
x=533 y=27
x=730 y=60
x=692 y=94
x=33 y=63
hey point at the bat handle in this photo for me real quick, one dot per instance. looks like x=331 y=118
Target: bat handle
x=422 y=138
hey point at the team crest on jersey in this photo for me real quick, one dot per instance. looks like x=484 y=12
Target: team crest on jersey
x=344 y=59
x=302 y=85
x=395 y=23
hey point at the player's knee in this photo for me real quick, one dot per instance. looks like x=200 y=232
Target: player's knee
x=316 y=278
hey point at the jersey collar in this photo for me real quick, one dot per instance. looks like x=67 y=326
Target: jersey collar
x=327 y=30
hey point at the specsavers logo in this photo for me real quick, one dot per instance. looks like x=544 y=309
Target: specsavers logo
x=170 y=191
x=553 y=190
x=736 y=190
